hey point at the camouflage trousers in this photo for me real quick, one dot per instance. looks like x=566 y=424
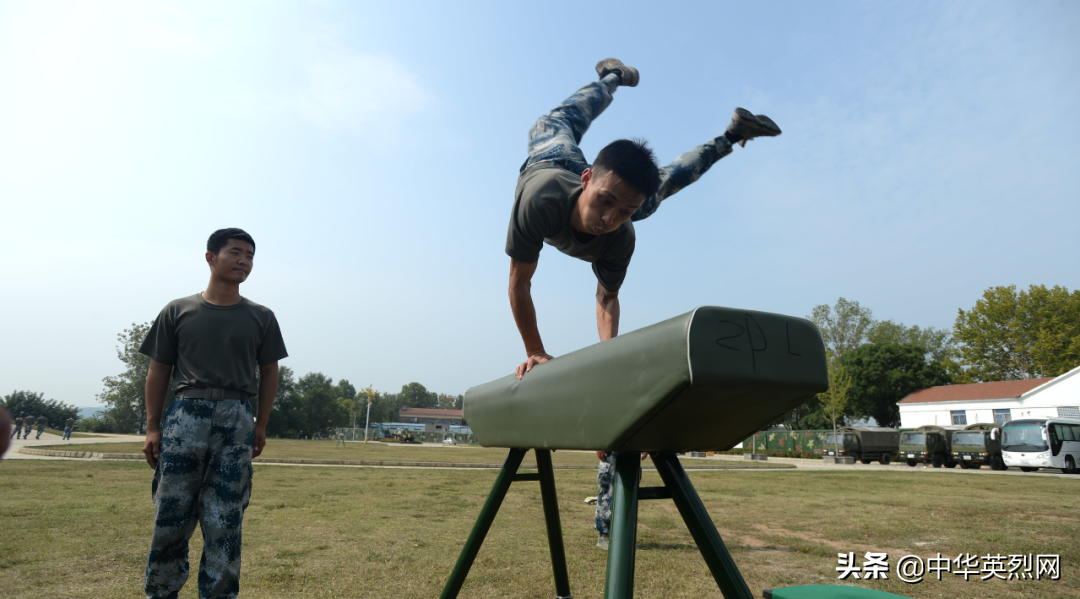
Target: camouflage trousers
x=203 y=477
x=40 y=429
x=16 y=434
x=67 y=432
x=555 y=138
x=605 y=476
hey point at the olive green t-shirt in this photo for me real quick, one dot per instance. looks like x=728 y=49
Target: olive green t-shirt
x=214 y=347
x=545 y=198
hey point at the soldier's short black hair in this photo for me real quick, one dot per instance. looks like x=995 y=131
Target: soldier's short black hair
x=219 y=238
x=633 y=161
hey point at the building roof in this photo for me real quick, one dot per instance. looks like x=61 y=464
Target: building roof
x=432 y=412
x=975 y=391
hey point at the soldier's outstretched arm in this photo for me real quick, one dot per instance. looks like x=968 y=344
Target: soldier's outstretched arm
x=607 y=313
x=521 y=304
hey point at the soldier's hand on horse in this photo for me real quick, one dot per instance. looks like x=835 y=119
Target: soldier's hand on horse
x=533 y=360
x=152 y=448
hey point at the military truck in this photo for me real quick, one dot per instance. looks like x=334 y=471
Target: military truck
x=978 y=445
x=864 y=443
x=928 y=444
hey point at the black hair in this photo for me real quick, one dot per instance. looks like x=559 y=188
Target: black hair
x=633 y=161
x=219 y=238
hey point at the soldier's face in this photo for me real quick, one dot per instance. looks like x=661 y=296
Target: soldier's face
x=233 y=262
x=606 y=202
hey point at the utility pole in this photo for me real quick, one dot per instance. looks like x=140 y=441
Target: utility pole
x=367 y=421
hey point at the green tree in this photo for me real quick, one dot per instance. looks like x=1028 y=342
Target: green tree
x=450 y=402
x=937 y=343
x=847 y=326
x=809 y=416
x=21 y=403
x=882 y=374
x=843 y=327
x=835 y=399
x=415 y=395
x=1019 y=335
x=345 y=390
x=124 y=394
x=319 y=399
x=287 y=417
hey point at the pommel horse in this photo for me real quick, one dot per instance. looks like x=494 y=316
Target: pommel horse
x=704 y=380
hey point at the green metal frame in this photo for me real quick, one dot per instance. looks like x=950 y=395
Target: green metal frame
x=508 y=474
x=627 y=492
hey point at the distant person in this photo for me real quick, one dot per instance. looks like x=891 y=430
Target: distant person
x=68 y=425
x=17 y=433
x=211 y=343
x=28 y=426
x=5 y=423
x=42 y=422
x=585 y=211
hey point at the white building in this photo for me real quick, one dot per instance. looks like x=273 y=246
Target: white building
x=993 y=402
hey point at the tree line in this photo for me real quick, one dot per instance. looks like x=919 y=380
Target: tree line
x=305 y=406
x=1007 y=335
x=313 y=403
x=25 y=403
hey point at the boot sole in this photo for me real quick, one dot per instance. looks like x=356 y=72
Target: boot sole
x=761 y=125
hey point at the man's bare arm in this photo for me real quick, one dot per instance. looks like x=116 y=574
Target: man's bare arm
x=268 y=382
x=521 y=304
x=157 y=384
x=607 y=313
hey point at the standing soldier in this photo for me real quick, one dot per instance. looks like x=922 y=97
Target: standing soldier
x=212 y=344
x=68 y=425
x=42 y=422
x=17 y=433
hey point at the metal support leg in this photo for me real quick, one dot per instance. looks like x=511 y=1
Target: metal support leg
x=701 y=527
x=483 y=523
x=623 y=540
x=554 y=526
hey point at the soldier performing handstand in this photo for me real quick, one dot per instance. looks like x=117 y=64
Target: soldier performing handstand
x=583 y=211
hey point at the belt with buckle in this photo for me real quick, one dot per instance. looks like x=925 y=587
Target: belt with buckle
x=211 y=394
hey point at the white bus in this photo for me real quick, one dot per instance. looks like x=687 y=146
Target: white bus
x=1041 y=443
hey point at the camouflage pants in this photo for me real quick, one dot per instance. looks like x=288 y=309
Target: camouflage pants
x=16 y=434
x=40 y=429
x=67 y=432
x=555 y=138
x=605 y=476
x=203 y=477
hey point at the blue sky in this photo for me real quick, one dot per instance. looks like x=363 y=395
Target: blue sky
x=930 y=151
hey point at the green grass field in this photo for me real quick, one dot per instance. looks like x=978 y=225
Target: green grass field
x=328 y=450
x=81 y=529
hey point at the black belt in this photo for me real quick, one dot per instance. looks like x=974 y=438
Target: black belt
x=211 y=394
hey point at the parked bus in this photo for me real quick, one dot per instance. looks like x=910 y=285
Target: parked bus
x=1041 y=443
x=978 y=445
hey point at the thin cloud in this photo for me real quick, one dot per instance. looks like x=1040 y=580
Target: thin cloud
x=360 y=92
